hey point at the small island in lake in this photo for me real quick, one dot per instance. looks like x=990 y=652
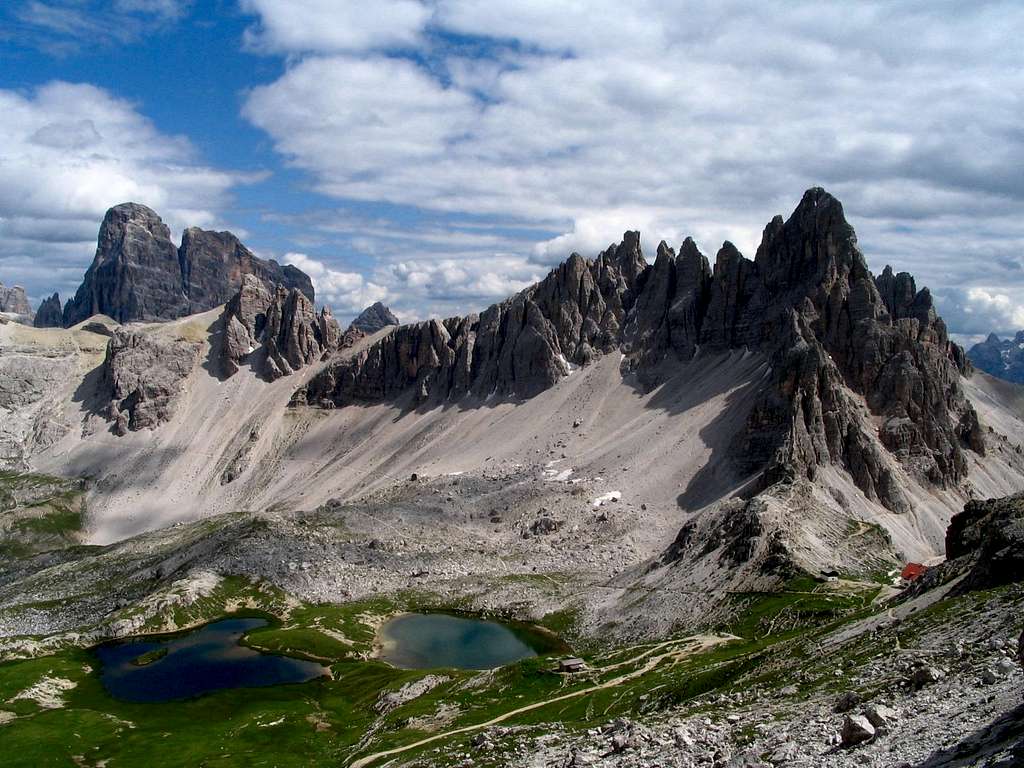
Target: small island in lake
x=149 y=657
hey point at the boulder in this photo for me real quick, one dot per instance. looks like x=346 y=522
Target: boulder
x=856 y=730
x=881 y=716
x=924 y=676
x=846 y=701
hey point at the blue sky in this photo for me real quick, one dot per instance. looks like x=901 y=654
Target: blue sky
x=441 y=154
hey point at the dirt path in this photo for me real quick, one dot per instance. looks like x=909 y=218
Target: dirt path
x=695 y=644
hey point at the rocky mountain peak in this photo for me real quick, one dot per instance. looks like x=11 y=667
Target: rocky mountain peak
x=280 y=332
x=1002 y=358
x=374 y=318
x=138 y=274
x=49 y=314
x=840 y=344
x=14 y=300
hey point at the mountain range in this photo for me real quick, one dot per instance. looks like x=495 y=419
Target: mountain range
x=630 y=451
x=1002 y=358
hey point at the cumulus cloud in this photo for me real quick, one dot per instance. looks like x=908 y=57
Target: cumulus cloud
x=327 y=25
x=346 y=293
x=701 y=118
x=976 y=312
x=70 y=151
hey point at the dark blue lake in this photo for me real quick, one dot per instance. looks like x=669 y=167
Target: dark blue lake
x=429 y=640
x=206 y=659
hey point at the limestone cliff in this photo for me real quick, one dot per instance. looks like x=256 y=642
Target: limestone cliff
x=139 y=275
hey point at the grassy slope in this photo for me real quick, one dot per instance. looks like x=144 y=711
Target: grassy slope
x=324 y=720
x=39 y=513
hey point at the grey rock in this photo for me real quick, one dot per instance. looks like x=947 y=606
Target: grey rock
x=49 y=314
x=856 y=730
x=835 y=337
x=519 y=347
x=144 y=375
x=14 y=301
x=846 y=701
x=985 y=541
x=374 y=318
x=1002 y=358
x=282 y=325
x=881 y=716
x=138 y=274
x=135 y=274
x=926 y=675
x=213 y=265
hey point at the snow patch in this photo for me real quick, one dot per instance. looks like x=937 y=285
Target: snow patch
x=610 y=496
x=557 y=477
x=48 y=693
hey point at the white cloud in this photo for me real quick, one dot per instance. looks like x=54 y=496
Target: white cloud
x=63 y=27
x=67 y=153
x=346 y=293
x=692 y=118
x=329 y=25
x=979 y=311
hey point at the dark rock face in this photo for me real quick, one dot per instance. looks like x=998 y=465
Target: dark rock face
x=14 y=300
x=284 y=322
x=213 y=264
x=987 y=540
x=519 y=347
x=832 y=331
x=144 y=375
x=837 y=340
x=135 y=273
x=1002 y=358
x=139 y=275
x=49 y=314
x=374 y=318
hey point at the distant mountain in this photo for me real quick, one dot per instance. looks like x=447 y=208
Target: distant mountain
x=139 y=275
x=1003 y=359
x=373 y=318
x=49 y=314
x=14 y=301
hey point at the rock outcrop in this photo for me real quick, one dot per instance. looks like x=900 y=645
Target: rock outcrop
x=847 y=352
x=1002 y=358
x=279 y=330
x=214 y=263
x=14 y=301
x=49 y=314
x=986 y=541
x=144 y=374
x=519 y=347
x=139 y=275
x=374 y=318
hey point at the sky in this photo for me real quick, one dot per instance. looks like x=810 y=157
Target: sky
x=439 y=155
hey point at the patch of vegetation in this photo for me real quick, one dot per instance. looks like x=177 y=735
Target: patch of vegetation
x=149 y=657
x=39 y=513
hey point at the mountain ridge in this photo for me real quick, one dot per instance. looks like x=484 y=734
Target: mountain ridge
x=1002 y=358
x=807 y=301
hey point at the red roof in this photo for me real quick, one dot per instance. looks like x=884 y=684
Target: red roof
x=912 y=570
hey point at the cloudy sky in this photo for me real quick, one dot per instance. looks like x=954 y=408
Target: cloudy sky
x=439 y=154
